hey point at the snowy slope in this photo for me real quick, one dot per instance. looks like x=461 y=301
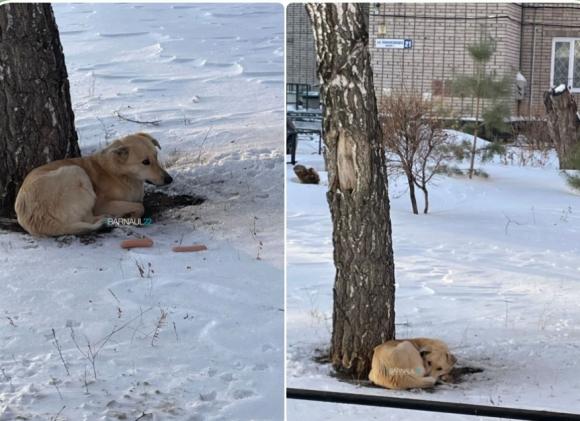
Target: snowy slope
x=493 y=270
x=177 y=336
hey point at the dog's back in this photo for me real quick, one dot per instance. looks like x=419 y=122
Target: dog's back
x=399 y=365
x=39 y=201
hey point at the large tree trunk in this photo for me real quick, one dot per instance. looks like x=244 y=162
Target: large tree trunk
x=564 y=127
x=36 y=117
x=364 y=293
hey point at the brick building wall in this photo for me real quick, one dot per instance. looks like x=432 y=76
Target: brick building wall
x=440 y=33
x=541 y=23
x=300 y=53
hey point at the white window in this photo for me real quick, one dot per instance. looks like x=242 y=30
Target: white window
x=566 y=63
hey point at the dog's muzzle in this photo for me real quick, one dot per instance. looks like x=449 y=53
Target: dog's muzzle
x=167 y=179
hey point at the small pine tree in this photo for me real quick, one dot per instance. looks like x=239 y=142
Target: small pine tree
x=488 y=91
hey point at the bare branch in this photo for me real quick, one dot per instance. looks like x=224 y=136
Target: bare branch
x=152 y=122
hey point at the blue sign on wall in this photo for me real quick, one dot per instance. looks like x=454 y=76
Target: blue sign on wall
x=393 y=43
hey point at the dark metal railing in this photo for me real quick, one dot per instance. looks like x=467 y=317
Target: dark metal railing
x=431 y=406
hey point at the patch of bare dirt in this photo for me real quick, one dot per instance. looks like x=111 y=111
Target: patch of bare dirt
x=156 y=202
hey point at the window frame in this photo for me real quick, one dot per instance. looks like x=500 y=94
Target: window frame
x=572 y=41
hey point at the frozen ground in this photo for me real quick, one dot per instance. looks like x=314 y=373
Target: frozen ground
x=493 y=270
x=173 y=336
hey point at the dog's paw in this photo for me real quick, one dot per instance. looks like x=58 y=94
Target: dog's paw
x=429 y=381
x=105 y=224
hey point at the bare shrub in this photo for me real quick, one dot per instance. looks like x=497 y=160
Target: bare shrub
x=534 y=133
x=534 y=145
x=416 y=144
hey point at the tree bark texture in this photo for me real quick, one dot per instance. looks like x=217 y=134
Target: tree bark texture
x=364 y=292
x=563 y=126
x=36 y=117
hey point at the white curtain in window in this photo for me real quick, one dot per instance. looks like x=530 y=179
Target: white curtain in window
x=561 y=63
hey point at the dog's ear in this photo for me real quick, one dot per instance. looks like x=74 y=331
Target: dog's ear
x=150 y=138
x=121 y=153
x=451 y=359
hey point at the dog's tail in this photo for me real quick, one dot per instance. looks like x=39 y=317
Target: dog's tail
x=9 y=224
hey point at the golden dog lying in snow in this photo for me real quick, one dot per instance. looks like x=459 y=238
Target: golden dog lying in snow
x=411 y=363
x=75 y=196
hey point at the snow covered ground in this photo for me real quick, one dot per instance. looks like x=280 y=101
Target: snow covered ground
x=190 y=336
x=494 y=270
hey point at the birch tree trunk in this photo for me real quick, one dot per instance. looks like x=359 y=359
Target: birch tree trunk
x=363 y=313
x=36 y=117
x=563 y=126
